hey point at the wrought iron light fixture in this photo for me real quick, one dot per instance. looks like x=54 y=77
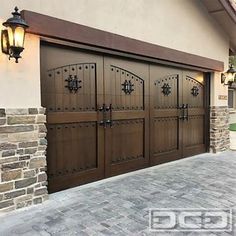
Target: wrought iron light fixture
x=12 y=38
x=229 y=76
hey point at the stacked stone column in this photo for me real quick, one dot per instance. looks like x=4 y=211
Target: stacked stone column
x=219 y=129
x=23 y=179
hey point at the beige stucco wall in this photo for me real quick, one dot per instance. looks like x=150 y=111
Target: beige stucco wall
x=217 y=89
x=180 y=24
x=20 y=83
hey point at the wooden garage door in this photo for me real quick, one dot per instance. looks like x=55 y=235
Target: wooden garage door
x=127 y=94
x=107 y=116
x=194 y=122
x=72 y=89
x=177 y=114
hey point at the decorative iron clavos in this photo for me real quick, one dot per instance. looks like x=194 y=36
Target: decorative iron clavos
x=166 y=89
x=195 y=91
x=128 y=87
x=73 y=83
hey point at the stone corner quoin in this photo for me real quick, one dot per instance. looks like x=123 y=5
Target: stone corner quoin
x=23 y=179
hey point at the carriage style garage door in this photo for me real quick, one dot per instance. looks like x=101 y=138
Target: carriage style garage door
x=178 y=119
x=107 y=116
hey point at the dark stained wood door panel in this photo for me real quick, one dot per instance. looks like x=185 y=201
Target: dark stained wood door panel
x=127 y=138
x=166 y=127
x=194 y=139
x=75 y=153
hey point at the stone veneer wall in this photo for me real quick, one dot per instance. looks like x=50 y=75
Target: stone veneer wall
x=23 y=179
x=219 y=129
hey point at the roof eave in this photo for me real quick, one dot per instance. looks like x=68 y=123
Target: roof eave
x=224 y=12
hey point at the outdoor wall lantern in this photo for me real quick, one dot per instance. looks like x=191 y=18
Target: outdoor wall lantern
x=229 y=76
x=12 y=38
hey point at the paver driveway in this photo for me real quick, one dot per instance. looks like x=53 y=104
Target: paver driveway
x=119 y=206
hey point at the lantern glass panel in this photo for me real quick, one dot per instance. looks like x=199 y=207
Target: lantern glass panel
x=16 y=36
x=5 y=42
x=19 y=37
x=230 y=77
x=10 y=36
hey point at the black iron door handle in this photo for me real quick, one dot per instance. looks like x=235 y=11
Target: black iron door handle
x=106 y=121
x=109 y=120
x=184 y=116
x=103 y=110
x=185 y=112
x=181 y=112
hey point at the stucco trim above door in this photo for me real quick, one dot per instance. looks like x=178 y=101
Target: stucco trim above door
x=48 y=26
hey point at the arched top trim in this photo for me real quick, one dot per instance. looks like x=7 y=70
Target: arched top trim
x=189 y=77
x=166 y=77
x=129 y=72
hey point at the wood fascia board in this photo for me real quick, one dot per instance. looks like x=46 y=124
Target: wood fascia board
x=61 y=29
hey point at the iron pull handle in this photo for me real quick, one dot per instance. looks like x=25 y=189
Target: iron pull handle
x=184 y=112
x=103 y=110
x=107 y=120
x=186 y=117
x=111 y=121
x=185 y=107
x=181 y=109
